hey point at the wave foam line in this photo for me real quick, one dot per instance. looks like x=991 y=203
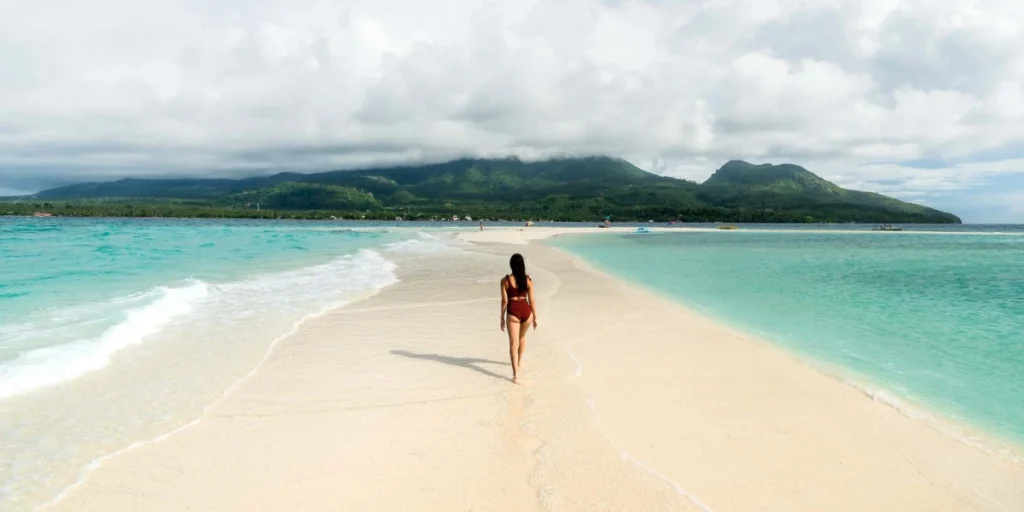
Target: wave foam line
x=96 y=464
x=591 y=404
x=988 y=445
x=678 y=488
x=51 y=365
x=579 y=367
x=425 y=243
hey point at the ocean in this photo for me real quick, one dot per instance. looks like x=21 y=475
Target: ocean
x=930 y=323
x=114 y=331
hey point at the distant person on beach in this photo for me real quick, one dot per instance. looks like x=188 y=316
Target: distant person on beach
x=481 y=225
x=518 y=310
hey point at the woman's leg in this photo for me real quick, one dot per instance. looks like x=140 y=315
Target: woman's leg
x=513 y=326
x=525 y=326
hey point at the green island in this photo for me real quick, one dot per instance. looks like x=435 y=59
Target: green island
x=561 y=189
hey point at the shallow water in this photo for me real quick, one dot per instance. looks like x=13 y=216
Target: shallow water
x=114 y=331
x=932 y=319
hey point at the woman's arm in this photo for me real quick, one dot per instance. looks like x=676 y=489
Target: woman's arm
x=533 y=303
x=504 y=302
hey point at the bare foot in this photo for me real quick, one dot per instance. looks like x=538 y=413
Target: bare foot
x=515 y=380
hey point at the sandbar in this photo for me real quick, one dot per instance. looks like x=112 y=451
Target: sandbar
x=630 y=401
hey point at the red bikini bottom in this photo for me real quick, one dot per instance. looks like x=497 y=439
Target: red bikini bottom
x=520 y=309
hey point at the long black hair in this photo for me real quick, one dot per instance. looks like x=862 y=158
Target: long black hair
x=519 y=272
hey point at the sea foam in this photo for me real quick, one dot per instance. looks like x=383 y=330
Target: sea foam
x=105 y=349
x=157 y=358
x=44 y=366
x=136 y=318
x=424 y=243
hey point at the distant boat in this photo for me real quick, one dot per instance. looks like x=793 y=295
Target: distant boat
x=887 y=227
x=642 y=229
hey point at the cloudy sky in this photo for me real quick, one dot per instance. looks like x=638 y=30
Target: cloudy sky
x=920 y=99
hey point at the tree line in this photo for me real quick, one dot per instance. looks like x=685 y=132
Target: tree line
x=593 y=210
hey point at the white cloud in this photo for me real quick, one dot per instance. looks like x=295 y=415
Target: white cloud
x=116 y=87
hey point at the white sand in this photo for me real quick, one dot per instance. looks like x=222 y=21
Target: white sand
x=630 y=402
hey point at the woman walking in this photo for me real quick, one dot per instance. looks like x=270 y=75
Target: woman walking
x=518 y=310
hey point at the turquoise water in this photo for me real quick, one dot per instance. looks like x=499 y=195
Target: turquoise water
x=114 y=331
x=54 y=263
x=67 y=282
x=935 y=319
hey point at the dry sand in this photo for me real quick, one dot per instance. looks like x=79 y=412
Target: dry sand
x=630 y=402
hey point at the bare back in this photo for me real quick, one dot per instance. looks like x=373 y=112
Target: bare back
x=513 y=290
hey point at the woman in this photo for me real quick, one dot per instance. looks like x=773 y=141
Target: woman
x=518 y=310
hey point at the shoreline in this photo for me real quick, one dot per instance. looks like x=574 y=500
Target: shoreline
x=98 y=462
x=576 y=225
x=961 y=430
x=630 y=401
x=969 y=435
x=964 y=431
x=160 y=357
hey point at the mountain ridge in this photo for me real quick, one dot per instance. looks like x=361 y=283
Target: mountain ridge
x=571 y=188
